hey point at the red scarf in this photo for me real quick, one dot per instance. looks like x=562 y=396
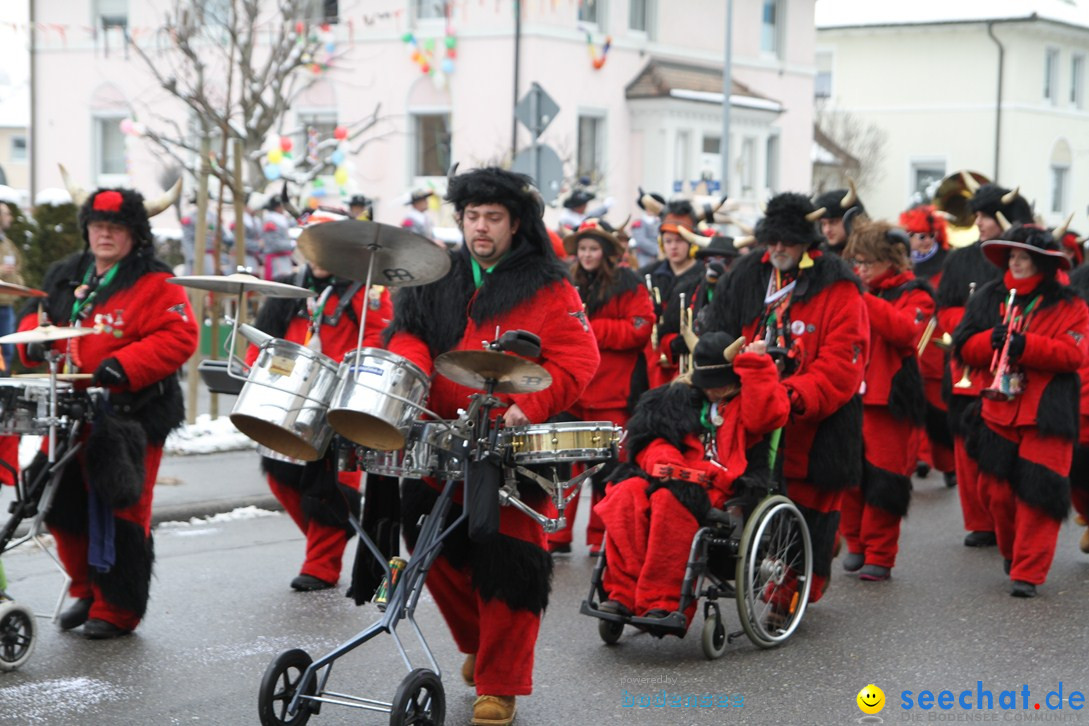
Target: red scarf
x=891 y=279
x=1025 y=285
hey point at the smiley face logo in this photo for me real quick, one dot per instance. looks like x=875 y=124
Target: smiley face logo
x=871 y=699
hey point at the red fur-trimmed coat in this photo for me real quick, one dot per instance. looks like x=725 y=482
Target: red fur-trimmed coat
x=621 y=320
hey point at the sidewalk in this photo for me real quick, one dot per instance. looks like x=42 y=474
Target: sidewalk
x=201 y=485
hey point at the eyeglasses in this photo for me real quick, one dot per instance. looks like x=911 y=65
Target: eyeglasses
x=865 y=263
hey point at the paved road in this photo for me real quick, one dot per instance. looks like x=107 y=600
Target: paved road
x=221 y=609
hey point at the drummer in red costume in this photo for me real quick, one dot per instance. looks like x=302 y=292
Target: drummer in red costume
x=899 y=305
x=809 y=306
x=929 y=249
x=505 y=276
x=620 y=312
x=688 y=443
x=101 y=516
x=1030 y=429
x=317 y=497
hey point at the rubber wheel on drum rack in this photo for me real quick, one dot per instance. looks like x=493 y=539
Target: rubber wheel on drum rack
x=420 y=700
x=774 y=572
x=278 y=687
x=17 y=635
x=610 y=631
x=713 y=638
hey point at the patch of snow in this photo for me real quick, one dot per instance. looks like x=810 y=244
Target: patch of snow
x=46 y=701
x=236 y=515
x=206 y=436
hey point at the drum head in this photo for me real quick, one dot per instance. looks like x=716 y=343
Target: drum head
x=366 y=430
x=275 y=437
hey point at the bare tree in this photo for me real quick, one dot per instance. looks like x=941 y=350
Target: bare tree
x=860 y=139
x=239 y=69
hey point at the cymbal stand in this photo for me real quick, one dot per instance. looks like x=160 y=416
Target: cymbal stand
x=561 y=494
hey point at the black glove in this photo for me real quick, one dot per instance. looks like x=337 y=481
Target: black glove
x=35 y=352
x=677 y=348
x=1017 y=346
x=110 y=373
x=998 y=336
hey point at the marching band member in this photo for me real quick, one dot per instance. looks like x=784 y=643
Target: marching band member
x=492 y=594
x=1030 y=329
x=1079 y=467
x=678 y=273
x=836 y=204
x=317 y=497
x=688 y=443
x=929 y=250
x=893 y=405
x=809 y=306
x=620 y=314
x=964 y=268
x=101 y=516
x=718 y=255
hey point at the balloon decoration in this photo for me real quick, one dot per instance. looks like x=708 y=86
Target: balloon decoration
x=597 y=61
x=132 y=128
x=322 y=35
x=425 y=56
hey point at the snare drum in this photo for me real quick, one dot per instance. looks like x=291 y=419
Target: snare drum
x=377 y=398
x=551 y=443
x=428 y=452
x=24 y=405
x=283 y=404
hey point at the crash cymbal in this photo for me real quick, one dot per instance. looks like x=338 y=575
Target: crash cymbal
x=401 y=258
x=67 y=377
x=240 y=282
x=474 y=368
x=46 y=334
x=10 y=288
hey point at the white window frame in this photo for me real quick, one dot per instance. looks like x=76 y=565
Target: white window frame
x=101 y=121
x=1061 y=195
x=920 y=163
x=19 y=156
x=830 y=54
x=1077 y=80
x=601 y=12
x=682 y=157
x=415 y=153
x=650 y=16
x=773 y=160
x=1051 y=75
x=778 y=34
x=430 y=19
x=599 y=119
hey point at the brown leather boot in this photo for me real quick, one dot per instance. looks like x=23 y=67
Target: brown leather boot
x=468 y=670
x=493 y=711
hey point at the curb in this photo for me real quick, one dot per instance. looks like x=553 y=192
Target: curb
x=189 y=510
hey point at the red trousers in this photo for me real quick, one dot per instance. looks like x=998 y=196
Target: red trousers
x=869 y=530
x=324 y=543
x=9 y=452
x=647 y=549
x=823 y=502
x=72 y=549
x=1025 y=534
x=977 y=517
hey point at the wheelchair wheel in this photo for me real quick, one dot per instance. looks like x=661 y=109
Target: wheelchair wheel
x=18 y=635
x=713 y=639
x=774 y=572
x=420 y=700
x=610 y=631
x=278 y=687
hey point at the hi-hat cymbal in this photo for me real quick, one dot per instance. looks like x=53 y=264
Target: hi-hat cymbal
x=46 y=334
x=401 y=258
x=240 y=282
x=10 y=288
x=474 y=368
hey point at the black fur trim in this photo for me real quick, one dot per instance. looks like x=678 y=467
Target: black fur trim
x=667 y=412
x=128 y=583
x=907 y=401
x=286 y=473
x=937 y=426
x=692 y=496
x=163 y=412
x=893 y=294
x=822 y=536
x=69 y=509
x=961 y=420
x=115 y=460
x=963 y=267
x=1057 y=413
x=972 y=426
x=437 y=313
x=514 y=571
x=686 y=284
x=595 y=298
x=1040 y=487
x=997 y=454
x=324 y=499
x=417 y=499
x=1079 y=281
x=624 y=471
x=835 y=459
x=885 y=490
x=1079 y=469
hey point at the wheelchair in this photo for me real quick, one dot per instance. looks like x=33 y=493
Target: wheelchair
x=757 y=550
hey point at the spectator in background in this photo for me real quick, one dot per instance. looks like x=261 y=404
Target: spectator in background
x=416 y=218
x=361 y=208
x=276 y=240
x=10 y=271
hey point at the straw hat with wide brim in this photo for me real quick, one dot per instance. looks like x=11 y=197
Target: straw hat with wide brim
x=997 y=251
x=600 y=230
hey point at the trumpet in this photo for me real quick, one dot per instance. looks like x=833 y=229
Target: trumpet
x=685 y=363
x=1008 y=382
x=966 y=377
x=656 y=296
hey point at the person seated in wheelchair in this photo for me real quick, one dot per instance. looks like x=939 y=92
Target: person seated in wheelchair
x=688 y=443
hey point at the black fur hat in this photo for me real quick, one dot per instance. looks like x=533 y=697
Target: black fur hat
x=988 y=200
x=784 y=221
x=492 y=185
x=119 y=206
x=831 y=201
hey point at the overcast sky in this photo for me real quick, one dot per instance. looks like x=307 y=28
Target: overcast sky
x=13 y=41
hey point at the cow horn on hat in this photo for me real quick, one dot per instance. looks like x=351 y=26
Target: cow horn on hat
x=851 y=196
x=709 y=211
x=816 y=214
x=744 y=241
x=620 y=229
x=970 y=182
x=746 y=229
x=155 y=206
x=1002 y=221
x=1059 y=232
x=1009 y=196
x=692 y=238
x=286 y=199
x=652 y=205
x=78 y=193
x=733 y=349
